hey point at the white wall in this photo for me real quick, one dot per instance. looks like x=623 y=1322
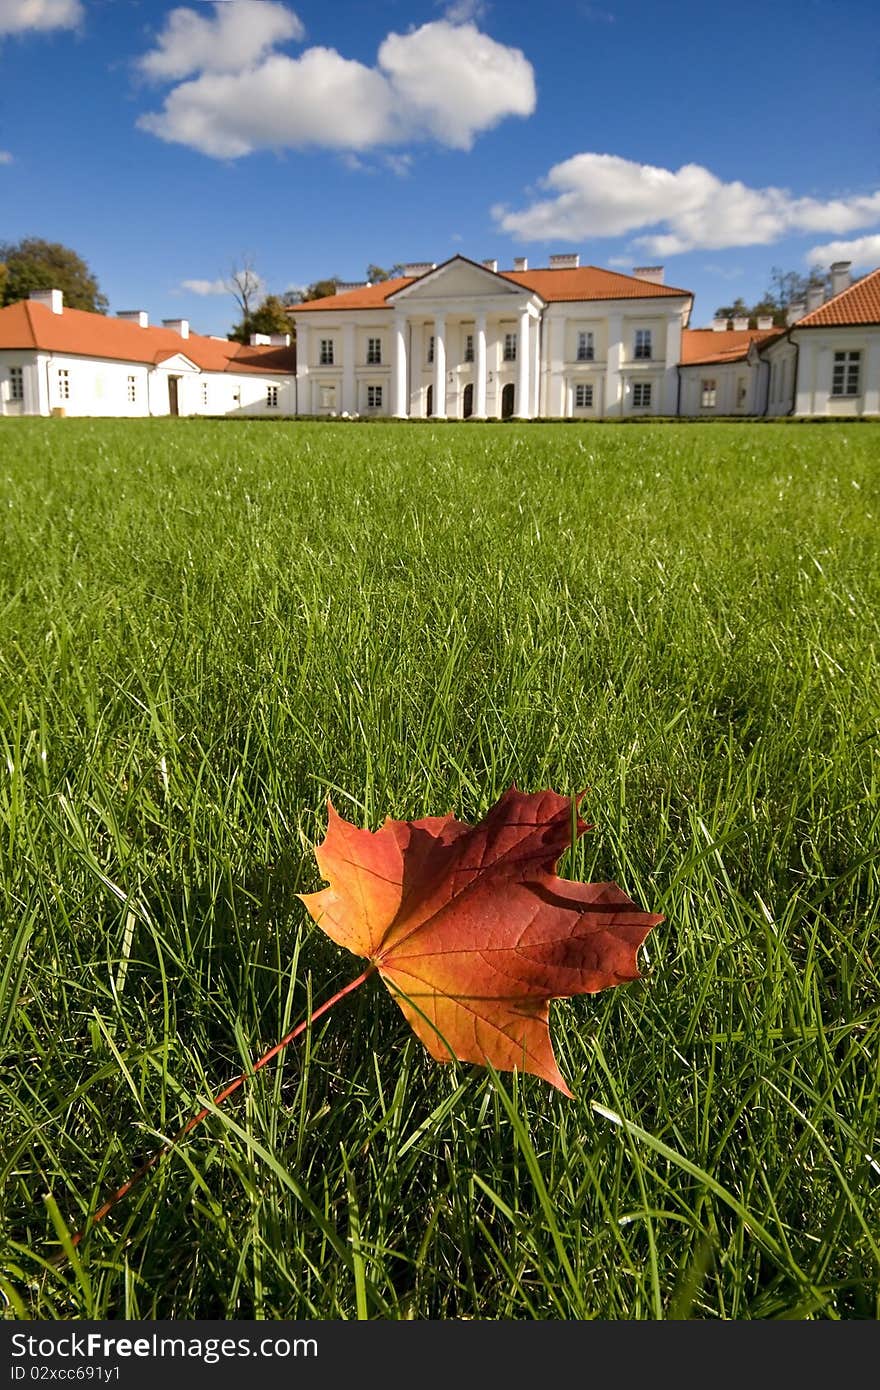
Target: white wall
x=815 y=365
x=728 y=376
x=781 y=359
x=100 y=387
x=27 y=361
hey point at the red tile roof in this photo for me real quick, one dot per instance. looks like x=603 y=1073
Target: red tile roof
x=728 y=345
x=859 y=304
x=590 y=282
x=368 y=297
x=29 y=324
x=584 y=283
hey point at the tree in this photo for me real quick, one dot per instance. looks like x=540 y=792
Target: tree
x=376 y=275
x=34 y=264
x=322 y=289
x=738 y=309
x=245 y=285
x=268 y=317
x=786 y=287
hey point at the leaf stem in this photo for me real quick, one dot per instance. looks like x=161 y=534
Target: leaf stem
x=206 y=1110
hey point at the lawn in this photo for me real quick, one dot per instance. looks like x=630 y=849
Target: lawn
x=207 y=627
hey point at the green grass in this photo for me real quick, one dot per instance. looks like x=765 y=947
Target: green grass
x=204 y=630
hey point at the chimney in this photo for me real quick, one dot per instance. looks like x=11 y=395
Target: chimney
x=53 y=299
x=180 y=326
x=565 y=261
x=343 y=286
x=490 y=265
x=654 y=273
x=719 y=325
x=418 y=267
x=815 y=297
x=796 y=310
x=741 y=322
x=270 y=340
x=138 y=316
x=764 y=321
x=520 y=263
x=840 y=276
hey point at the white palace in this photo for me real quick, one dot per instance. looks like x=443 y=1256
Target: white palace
x=462 y=340
x=459 y=341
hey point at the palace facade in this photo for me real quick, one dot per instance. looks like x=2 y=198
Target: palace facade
x=460 y=341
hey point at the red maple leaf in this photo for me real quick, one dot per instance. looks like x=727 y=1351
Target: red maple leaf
x=471 y=929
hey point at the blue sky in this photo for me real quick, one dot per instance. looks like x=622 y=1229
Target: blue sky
x=165 y=143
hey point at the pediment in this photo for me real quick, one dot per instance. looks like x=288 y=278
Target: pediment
x=457 y=279
x=174 y=362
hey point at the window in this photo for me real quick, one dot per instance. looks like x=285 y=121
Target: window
x=583 y=396
x=326 y=354
x=585 y=349
x=374 y=398
x=272 y=397
x=708 y=391
x=431 y=348
x=469 y=347
x=132 y=390
x=845 y=375
x=16 y=383
x=510 y=347
x=64 y=384
x=742 y=390
x=643 y=343
x=328 y=397
x=204 y=393
x=374 y=351
x=642 y=393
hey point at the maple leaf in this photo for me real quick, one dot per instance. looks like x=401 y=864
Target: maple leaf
x=471 y=929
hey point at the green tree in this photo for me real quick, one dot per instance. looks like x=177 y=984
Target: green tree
x=268 y=317
x=377 y=276
x=34 y=264
x=322 y=289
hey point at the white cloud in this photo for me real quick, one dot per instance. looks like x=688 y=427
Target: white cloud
x=463 y=11
x=864 y=252
x=318 y=99
x=19 y=16
x=441 y=81
x=400 y=164
x=595 y=195
x=205 y=287
x=451 y=80
x=239 y=33
x=5 y=157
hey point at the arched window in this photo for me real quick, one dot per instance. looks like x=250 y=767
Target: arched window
x=507 y=399
x=429 y=404
x=467 y=405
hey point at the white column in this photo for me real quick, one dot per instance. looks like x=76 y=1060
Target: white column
x=303 y=404
x=669 y=404
x=557 y=391
x=522 y=367
x=614 y=359
x=399 y=402
x=440 y=367
x=871 y=379
x=480 y=367
x=536 y=369
x=349 y=401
